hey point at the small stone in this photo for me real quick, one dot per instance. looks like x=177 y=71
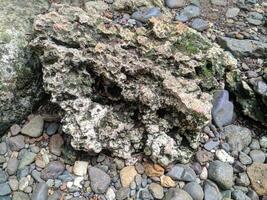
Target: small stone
x=100 y=180
x=211 y=144
x=13 y=183
x=188 y=13
x=219 y=2
x=146 y=14
x=167 y=181
x=3 y=148
x=119 y=163
x=37 y=176
x=204 y=174
x=23 y=183
x=16 y=143
x=40 y=192
x=204 y=156
x=194 y=190
x=176 y=193
x=221 y=173
x=243 y=179
x=255 y=18
x=232 y=12
x=257 y=156
x=253 y=195
x=153 y=170
x=52 y=128
x=4 y=189
x=257 y=173
x=182 y=172
x=20 y=196
x=127 y=175
x=255 y=144
x=15 y=129
x=175 y=3
x=53 y=170
x=156 y=190
x=55 y=144
x=224 y=156
x=3 y=176
x=110 y=194
x=197 y=168
x=122 y=193
x=34 y=127
x=145 y=194
x=80 y=168
x=263 y=142
x=12 y=166
x=199 y=24
x=239 y=195
x=77 y=182
x=211 y=191
x=138 y=180
x=139 y=168
x=244 y=158
x=27 y=159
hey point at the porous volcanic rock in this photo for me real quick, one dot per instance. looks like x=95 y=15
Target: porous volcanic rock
x=20 y=71
x=128 y=89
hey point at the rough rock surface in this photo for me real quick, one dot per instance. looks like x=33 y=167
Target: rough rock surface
x=19 y=70
x=128 y=89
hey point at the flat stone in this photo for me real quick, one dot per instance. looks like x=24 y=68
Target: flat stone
x=182 y=173
x=4 y=189
x=15 y=129
x=167 y=181
x=156 y=190
x=100 y=180
x=211 y=191
x=27 y=159
x=243 y=179
x=52 y=128
x=53 y=170
x=55 y=144
x=257 y=173
x=188 y=13
x=237 y=137
x=194 y=190
x=153 y=170
x=3 y=148
x=13 y=183
x=223 y=110
x=239 y=195
x=221 y=173
x=20 y=196
x=3 y=176
x=199 y=24
x=122 y=193
x=16 y=143
x=257 y=156
x=223 y=156
x=12 y=166
x=80 y=168
x=211 y=144
x=127 y=175
x=232 y=12
x=255 y=144
x=146 y=14
x=40 y=192
x=34 y=127
x=244 y=158
x=219 y=2
x=203 y=156
x=175 y=3
x=176 y=193
x=255 y=18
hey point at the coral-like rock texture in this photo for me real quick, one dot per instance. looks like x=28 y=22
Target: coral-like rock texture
x=128 y=89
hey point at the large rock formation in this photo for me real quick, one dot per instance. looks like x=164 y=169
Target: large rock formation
x=128 y=89
x=19 y=71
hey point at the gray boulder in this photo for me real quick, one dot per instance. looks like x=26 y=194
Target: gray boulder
x=20 y=72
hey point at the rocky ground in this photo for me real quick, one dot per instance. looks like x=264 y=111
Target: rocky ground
x=38 y=163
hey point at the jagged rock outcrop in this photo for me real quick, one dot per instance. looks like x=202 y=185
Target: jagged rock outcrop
x=19 y=70
x=128 y=89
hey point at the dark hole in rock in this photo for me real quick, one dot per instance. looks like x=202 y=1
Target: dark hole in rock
x=162 y=112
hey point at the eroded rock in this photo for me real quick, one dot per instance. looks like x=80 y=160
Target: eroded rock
x=128 y=89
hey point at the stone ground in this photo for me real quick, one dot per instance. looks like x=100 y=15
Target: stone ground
x=38 y=163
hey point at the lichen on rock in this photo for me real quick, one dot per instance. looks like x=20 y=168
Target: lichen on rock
x=128 y=89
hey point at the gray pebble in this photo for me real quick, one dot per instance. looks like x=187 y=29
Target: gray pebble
x=200 y=25
x=40 y=192
x=257 y=156
x=146 y=14
x=188 y=13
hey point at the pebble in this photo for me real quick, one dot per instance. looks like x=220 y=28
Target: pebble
x=80 y=168
x=196 y=167
x=199 y=24
x=52 y=128
x=211 y=191
x=156 y=190
x=27 y=158
x=223 y=156
x=204 y=174
x=146 y=14
x=3 y=176
x=182 y=172
x=20 y=196
x=99 y=185
x=12 y=166
x=263 y=142
x=167 y=181
x=255 y=144
x=176 y=193
x=239 y=195
x=122 y=193
x=211 y=144
x=219 y=2
x=153 y=170
x=255 y=18
x=127 y=175
x=145 y=194
x=253 y=195
x=53 y=170
x=175 y=3
x=232 y=12
x=34 y=127
x=3 y=148
x=221 y=173
x=188 y=13
x=194 y=190
x=243 y=179
x=37 y=176
x=244 y=158
x=15 y=129
x=13 y=183
x=257 y=156
x=23 y=183
x=4 y=189
x=55 y=144
x=110 y=194
x=40 y=192
x=139 y=168
x=16 y=143
x=204 y=156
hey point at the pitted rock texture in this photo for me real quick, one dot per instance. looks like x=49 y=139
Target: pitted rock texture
x=19 y=70
x=128 y=89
